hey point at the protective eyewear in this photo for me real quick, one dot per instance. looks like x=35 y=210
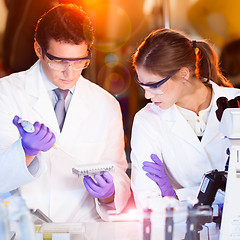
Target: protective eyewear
x=156 y=84
x=62 y=64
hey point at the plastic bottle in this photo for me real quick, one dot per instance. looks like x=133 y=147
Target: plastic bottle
x=19 y=217
x=4 y=224
x=25 y=221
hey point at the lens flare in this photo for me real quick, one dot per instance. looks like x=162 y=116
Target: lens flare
x=113 y=27
x=115 y=80
x=111 y=60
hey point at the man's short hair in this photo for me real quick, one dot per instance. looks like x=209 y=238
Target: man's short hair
x=68 y=23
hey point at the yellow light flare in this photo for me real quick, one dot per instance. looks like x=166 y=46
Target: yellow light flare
x=112 y=25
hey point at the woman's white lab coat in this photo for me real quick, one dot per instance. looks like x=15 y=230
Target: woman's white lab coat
x=167 y=134
x=92 y=133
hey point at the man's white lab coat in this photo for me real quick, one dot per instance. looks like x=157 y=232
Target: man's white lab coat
x=167 y=134
x=92 y=133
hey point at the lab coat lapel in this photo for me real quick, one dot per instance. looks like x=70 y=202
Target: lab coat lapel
x=211 y=131
x=212 y=128
x=180 y=127
x=40 y=100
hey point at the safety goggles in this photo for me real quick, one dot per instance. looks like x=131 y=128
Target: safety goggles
x=156 y=84
x=62 y=64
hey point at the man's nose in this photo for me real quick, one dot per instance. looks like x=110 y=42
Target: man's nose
x=70 y=71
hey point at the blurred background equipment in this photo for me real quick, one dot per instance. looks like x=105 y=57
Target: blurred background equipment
x=230 y=61
x=216 y=22
x=18 y=53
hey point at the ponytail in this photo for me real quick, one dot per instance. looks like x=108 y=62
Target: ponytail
x=207 y=67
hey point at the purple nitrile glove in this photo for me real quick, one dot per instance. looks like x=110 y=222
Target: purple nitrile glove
x=102 y=188
x=42 y=139
x=155 y=171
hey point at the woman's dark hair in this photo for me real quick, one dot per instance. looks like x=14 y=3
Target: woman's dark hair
x=64 y=22
x=164 y=51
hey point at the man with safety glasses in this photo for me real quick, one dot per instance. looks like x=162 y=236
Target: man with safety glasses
x=75 y=122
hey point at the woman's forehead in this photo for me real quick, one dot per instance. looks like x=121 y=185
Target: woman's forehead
x=145 y=76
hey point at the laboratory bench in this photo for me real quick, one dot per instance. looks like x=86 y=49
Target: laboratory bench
x=116 y=231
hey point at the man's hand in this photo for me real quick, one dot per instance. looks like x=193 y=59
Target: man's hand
x=155 y=171
x=102 y=188
x=42 y=139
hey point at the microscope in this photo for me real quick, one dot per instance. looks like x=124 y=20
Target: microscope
x=228 y=113
x=230 y=127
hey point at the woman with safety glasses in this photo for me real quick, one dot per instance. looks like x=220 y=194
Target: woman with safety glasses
x=176 y=137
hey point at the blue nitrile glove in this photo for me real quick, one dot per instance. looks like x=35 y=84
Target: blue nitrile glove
x=155 y=171
x=102 y=188
x=42 y=139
